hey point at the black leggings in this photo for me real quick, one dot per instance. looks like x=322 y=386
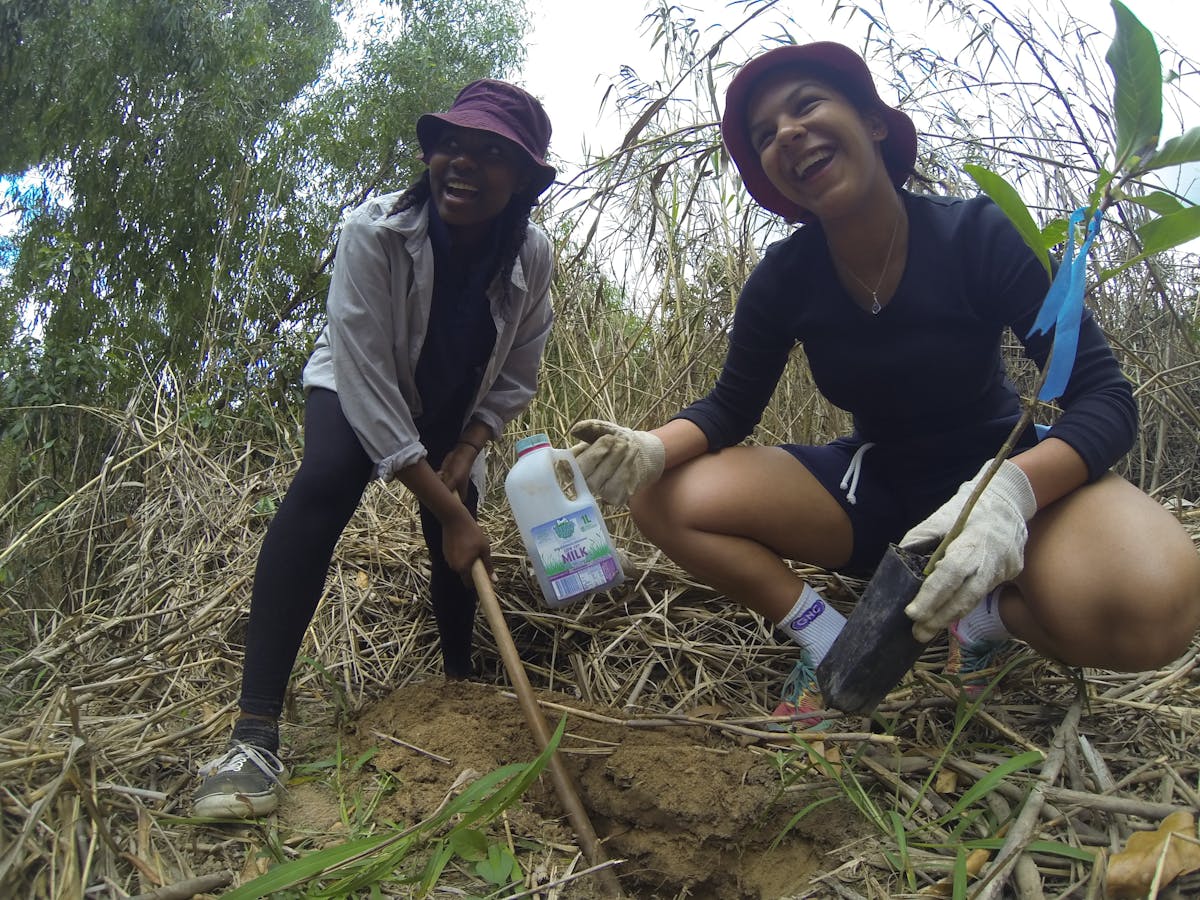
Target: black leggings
x=298 y=547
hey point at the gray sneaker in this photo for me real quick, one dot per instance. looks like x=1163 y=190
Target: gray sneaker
x=243 y=783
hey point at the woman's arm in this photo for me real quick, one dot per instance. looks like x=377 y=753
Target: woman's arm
x=361 y=335
x=463 y=541
x=1054 y=469
x=682 y=440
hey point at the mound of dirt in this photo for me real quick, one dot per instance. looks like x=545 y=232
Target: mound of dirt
x=688 y=810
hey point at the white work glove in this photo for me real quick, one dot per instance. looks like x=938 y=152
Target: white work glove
x=989 y=551
x=617 y=461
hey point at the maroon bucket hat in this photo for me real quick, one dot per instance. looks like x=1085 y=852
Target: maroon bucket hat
x=503 y=109
x=847 y=72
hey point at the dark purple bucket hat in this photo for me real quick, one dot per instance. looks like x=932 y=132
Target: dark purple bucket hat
x=503 y=109
x=846 y=71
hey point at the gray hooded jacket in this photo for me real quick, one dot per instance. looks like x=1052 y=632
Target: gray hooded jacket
x=378 y=315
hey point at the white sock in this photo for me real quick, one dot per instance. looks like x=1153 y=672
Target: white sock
x=983 y=623
x=813 y=624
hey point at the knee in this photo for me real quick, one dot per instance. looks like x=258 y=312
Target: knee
x=1179 y=608
x=651 y=510
x=669 y=509
x=1164 y=614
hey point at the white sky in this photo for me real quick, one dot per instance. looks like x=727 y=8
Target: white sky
x=576 y=49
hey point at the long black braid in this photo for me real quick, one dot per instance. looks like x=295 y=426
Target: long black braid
x=514 y=223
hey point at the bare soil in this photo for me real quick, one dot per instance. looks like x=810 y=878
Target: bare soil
x=687 y=811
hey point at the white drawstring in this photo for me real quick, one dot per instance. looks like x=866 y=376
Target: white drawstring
x=850 y=479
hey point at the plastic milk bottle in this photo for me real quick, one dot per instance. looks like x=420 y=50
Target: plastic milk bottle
x=565 y=537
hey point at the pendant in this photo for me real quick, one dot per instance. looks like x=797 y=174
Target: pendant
x=875 y=305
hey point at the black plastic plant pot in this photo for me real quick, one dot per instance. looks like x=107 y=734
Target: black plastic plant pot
x=876 y=647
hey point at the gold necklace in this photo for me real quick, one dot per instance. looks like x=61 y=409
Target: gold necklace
x=876 y=306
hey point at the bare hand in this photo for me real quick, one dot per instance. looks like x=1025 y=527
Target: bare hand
x=455 y=472
x=462 y=544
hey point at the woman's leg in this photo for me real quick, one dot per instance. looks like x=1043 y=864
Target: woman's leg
x=1111 y=580
x=731 y=518
x=297 y=549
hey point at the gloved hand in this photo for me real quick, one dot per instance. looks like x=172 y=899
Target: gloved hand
x=987 y=552
x=617 y=461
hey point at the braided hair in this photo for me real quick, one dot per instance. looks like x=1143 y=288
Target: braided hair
x=514 y=224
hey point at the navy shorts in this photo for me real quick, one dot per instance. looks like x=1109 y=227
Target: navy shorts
x=886 y=490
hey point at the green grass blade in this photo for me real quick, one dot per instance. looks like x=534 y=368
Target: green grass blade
x=1050 y=848
x=297 y=871
x=796 y=819
x=960 y=875
x=988 y=783
x=901 y=836
x=442 y=855
x=519 y=781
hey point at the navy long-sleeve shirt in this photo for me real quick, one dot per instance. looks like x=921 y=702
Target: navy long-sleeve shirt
x=927 y=371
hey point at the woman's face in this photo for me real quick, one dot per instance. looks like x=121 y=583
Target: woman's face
x=472 y=176
x=815 y=145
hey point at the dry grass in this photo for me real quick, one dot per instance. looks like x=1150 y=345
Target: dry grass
x=123 y=621
x=124 y=600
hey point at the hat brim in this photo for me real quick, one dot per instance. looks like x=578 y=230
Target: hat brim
x=430 y=125
x=846 y=71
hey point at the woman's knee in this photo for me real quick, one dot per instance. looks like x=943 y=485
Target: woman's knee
x=1137 y=619
x=655 y=509
x=1170 y=603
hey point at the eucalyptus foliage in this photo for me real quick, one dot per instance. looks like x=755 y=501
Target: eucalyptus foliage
x=197 y=158
x=179 y=171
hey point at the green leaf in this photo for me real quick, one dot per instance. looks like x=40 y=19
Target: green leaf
x=1006 y=197
x=498 y=867
x=298 y=870
x=1176 y=151
x=1054 y=232
x=1103 y=180
x=469 y=843
x=1170 y=231
x=1159 y=202
x=1137 y=97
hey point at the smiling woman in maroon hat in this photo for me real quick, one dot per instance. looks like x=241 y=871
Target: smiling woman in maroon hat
x=438 y=313
x=900 y=301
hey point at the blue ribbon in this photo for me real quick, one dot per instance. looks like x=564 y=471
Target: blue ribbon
x=1063 y=307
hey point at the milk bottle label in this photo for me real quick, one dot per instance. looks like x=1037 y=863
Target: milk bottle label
x=575 y=553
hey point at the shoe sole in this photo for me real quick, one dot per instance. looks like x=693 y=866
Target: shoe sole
x=236 y=806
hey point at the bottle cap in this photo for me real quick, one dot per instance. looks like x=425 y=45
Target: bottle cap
x=533 y=442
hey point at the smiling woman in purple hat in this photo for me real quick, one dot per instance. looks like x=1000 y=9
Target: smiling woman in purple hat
x=438 y=313
x=900 y=301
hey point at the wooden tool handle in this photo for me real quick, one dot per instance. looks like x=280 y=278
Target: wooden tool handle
x=563 y=786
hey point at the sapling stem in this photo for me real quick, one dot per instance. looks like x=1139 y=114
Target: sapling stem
x=1109 y=197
